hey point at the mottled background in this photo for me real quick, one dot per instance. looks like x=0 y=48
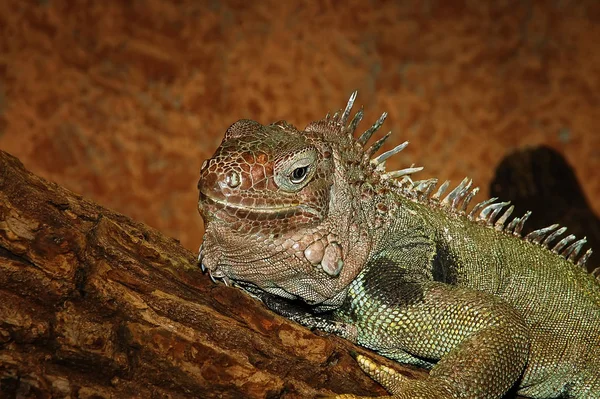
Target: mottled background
x=122 y=100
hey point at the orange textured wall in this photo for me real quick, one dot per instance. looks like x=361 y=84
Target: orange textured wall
x=121 y=101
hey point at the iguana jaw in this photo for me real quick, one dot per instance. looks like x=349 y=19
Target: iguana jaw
x=231 y=212
x=283 y=271
x=253 y=209
x=223 y=203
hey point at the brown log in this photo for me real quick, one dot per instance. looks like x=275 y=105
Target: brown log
x=96 y=305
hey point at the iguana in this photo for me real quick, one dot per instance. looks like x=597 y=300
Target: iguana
x=397 y=266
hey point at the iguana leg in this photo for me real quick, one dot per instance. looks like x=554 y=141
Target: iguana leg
x=481 y=342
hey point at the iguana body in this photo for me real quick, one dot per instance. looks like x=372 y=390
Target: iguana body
x=385 y=263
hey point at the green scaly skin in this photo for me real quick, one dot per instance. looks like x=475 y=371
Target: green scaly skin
x=380 y=260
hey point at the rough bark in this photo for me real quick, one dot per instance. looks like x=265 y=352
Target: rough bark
x=93 y=304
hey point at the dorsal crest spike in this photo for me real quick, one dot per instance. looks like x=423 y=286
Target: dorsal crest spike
x=553 y=236
x=479 y=206
x=355 y=121
x=468 y=199
x=489 y=213
x=497 y=209
x=573 y=250
x=421 y=185
x=582 y=261
x=344 y=118
x=499 y=225
x=425 y=187
x=403 y=172
x=511 y=226
x=453 y=198
x=362 y=140
x=376 y=146
x=538 y=235
x=521 y=223
x=383 y=157
x=563 y=243
x=440 y=191
x=462 y=193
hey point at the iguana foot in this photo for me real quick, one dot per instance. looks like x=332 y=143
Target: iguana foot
x=388 y=378
x=398 y=385
x=392 y=381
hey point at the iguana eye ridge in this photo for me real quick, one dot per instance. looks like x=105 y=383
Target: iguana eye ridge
x=299 y=174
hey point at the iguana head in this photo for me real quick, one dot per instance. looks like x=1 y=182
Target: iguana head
x=282 y=207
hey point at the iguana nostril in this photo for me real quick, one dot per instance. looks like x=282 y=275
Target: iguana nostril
x=233 y=179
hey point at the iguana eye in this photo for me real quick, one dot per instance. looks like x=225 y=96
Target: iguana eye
x=292 y=173
x=299 y=174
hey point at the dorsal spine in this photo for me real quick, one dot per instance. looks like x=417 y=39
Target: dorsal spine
x=489 y=212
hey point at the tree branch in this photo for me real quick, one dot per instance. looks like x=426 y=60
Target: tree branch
x=93 y=304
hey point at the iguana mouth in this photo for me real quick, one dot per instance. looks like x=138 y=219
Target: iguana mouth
x=267 y=212
x=215 y=274
x=254 y=209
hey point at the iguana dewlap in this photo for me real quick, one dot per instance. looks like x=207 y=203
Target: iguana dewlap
x=399 y=267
